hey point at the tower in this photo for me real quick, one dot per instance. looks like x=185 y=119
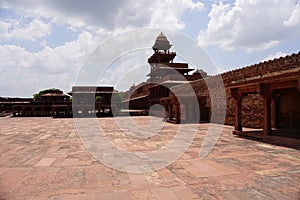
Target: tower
x=162 y=64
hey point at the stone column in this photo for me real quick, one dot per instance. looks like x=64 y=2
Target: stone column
x=265 y=93
x=238 y=109
x=267 y=130
x=238 y=114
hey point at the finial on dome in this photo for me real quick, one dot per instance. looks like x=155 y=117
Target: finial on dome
x=161 y=43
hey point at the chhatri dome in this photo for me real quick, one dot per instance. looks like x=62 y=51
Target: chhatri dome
x=161 y=43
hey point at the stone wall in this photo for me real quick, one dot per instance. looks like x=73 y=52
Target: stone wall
x=261 y=69
x=252 y=109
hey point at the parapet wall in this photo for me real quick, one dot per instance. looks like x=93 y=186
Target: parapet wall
x=252 y=109
x=262 y=68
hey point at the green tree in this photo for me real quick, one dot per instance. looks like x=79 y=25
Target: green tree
x=98 y=98
x=51 y=90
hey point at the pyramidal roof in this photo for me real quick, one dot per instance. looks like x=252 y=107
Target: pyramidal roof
x=161 y=43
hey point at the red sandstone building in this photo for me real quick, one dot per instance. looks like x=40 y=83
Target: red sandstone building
x=87 y=101
x=164 y=74
x=263 y=96
x=90 y=101
x=41 y=107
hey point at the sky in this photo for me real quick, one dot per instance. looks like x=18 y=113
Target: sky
x=46 y=43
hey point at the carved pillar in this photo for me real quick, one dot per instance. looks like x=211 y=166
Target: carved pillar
x=238 y=109
x=267 y=116
x=238 y=113
x=177 y=112
x=265 y=93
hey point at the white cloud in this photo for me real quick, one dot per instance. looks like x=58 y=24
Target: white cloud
x=109 y=15
x=273 y=56
x=96 y=16
x=294 y=19
x=13 y=29
x=25 y=73
x=167 y=14
x=129 y=69
x=252 y=25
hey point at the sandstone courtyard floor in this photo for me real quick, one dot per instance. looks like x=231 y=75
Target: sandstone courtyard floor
x=44 y=158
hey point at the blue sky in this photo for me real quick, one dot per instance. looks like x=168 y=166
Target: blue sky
x=45 y=43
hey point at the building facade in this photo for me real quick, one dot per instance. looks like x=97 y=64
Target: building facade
x=164 y=74
x=263 y=96
x=82 y=101
x=41 y=107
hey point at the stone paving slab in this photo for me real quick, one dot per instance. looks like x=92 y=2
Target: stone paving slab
x=44 y=158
